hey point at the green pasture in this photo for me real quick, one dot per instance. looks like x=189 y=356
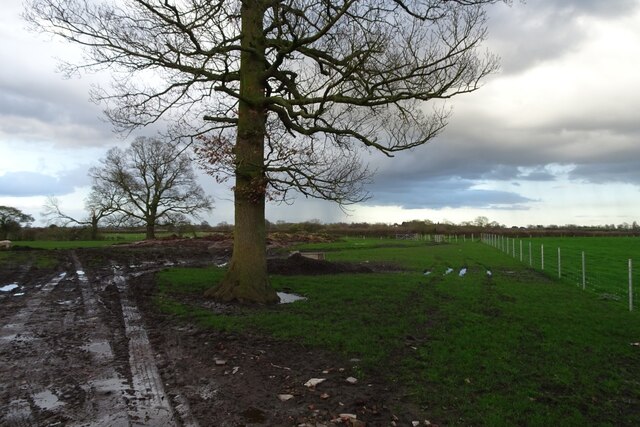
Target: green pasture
x=63 y=244
x=606 y=261
x=517 y=347
x=107 y=239
x=9 y=259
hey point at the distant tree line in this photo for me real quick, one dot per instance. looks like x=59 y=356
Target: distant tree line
x=186 y=228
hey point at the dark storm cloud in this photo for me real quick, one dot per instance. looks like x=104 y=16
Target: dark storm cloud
x=27 y=184
x=36 y=102
x=467 y=154
x=600 y=173
x=50 y=110
x=441 y=193
x=46 y=101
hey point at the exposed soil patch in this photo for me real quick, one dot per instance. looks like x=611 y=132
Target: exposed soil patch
x=82 y=345
x=297 y=264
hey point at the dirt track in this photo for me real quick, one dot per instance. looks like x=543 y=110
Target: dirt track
x=75 y=350
x=81 y=345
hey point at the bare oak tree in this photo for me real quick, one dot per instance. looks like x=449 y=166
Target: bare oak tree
x=150 y=181
x=282 y=94
x=100 y=205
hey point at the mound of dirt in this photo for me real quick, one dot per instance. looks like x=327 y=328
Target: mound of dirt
x=297 y=264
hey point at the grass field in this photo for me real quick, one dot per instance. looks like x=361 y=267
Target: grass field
x=516 y=347
x=63 y=244
x=606 y=261
x=107 y=238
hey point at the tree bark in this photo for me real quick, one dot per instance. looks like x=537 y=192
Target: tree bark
x=94 y=228
x=247 y=280
x=151 y=230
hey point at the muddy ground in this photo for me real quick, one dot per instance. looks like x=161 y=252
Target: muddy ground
x=82 y=345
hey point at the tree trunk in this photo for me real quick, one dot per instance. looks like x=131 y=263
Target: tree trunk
x=247 y=279
x=94 y=228
x=151 y=230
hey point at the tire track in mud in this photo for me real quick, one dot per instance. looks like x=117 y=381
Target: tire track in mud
x=75 y=352
x=153 y=404
x=141 y=399
x=107 y=387
x=14 y=334
x=14 y=328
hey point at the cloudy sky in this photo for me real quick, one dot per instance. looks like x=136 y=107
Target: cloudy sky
x=553 y=138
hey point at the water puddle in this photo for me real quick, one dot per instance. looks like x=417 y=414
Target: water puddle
x=46 y=400
x=101 y=349
x=109 y=386
x=18 y=337
x=286 y=298
x=9 y=288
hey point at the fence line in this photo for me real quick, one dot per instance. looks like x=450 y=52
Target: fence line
x=571 y=266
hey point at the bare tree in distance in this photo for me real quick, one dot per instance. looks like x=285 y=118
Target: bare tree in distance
x=98 y=205
x=11 y=220
x=150 y=181
x=282 y=94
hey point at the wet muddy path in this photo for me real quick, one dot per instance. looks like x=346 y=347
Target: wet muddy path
x=81 y=344
x=74 y=347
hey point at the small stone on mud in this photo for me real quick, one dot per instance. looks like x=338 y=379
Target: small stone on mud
x=285 y=397
x=348 y=417
x=220 y=362
x=324 y=396
x=352 y=380
x=314 y=382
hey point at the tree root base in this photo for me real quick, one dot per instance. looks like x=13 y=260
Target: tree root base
x=233 y=291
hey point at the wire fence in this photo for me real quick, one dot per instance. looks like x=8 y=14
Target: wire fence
x=598 y=269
